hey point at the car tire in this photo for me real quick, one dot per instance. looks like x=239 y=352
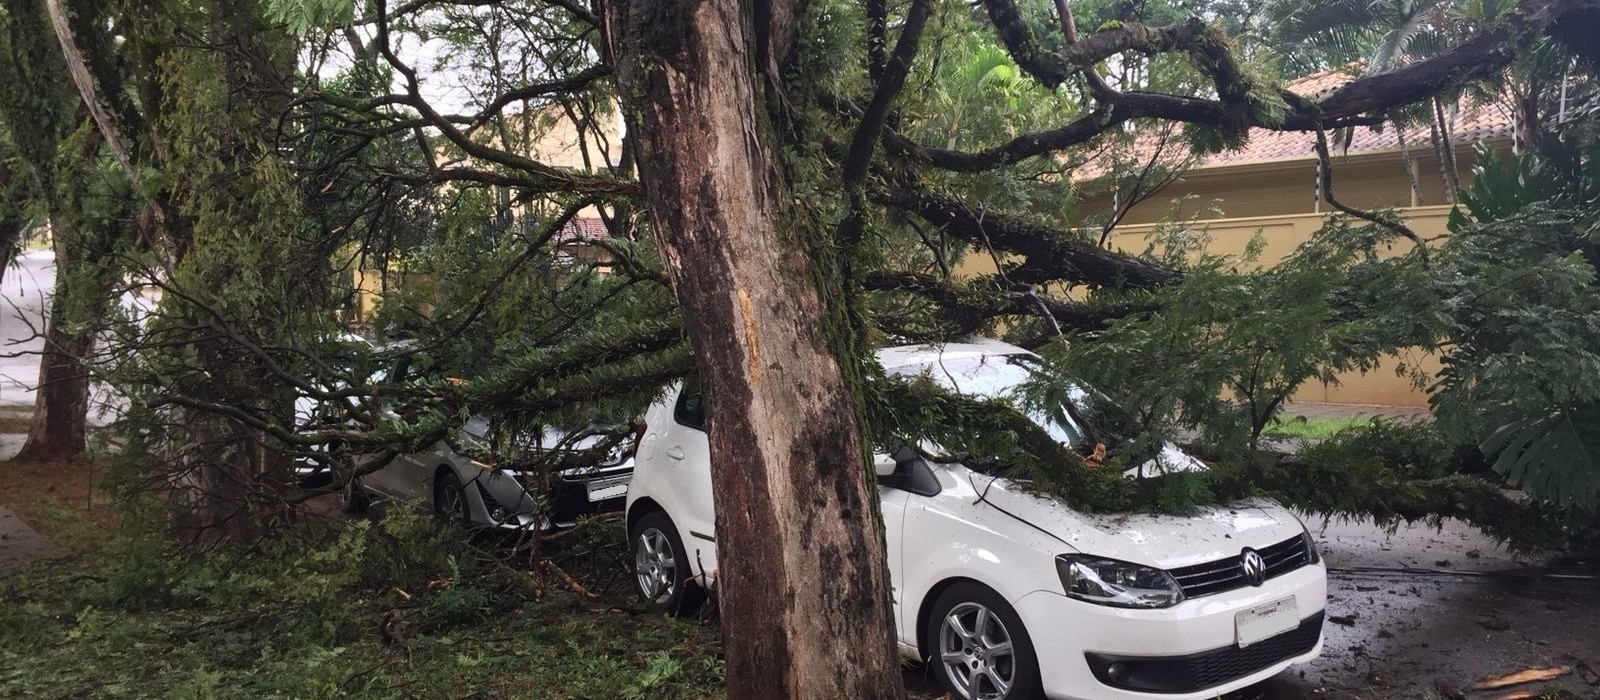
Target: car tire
x=978 y=648
x=661 y=566
x=354 y=500
x=449 y=498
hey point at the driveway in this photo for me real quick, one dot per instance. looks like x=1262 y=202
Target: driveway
x=1427 y=612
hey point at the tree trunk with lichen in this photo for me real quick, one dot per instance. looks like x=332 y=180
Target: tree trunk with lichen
x=803 y=585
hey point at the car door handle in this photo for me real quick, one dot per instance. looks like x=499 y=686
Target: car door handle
x=675 y=453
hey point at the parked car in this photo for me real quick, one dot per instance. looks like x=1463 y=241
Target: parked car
x=1015 y=596
x=585 y=478
x=574 y=473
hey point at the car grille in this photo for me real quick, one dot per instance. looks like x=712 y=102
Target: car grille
x=1224 y=575
x=1196 y=672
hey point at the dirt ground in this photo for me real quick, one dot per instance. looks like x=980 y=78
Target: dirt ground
x=57 y=497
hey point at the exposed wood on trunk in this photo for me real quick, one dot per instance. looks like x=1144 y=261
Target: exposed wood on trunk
x=803 y=585
x=79 y=69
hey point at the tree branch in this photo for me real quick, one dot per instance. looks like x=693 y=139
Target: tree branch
x=1325 y=186
x=1048 y=254
x=970 y=306
x=893 y=80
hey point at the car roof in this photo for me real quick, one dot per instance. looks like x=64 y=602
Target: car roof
x=905 y=355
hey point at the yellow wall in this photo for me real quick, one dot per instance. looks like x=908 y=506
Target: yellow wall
x=1391 y=383
x=1278 y=199
x=1367 y=180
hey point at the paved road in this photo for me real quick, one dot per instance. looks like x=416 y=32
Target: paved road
x=20 y=544
x=24 y=298
x=1426 y=609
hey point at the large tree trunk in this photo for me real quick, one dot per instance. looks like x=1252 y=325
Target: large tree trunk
x=59 y=427
x=235 y=474
x=10 y=241
x=803 y=584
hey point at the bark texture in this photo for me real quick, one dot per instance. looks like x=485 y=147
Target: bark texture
x=803 y=584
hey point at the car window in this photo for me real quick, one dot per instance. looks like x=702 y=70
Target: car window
x=690 y=411
x=1003 y=376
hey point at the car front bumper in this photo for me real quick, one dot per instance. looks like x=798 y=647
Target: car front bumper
x=1186 y=652
x=500 y=501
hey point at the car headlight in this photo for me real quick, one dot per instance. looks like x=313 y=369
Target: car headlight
x=1117 y=583
x=1312 y=555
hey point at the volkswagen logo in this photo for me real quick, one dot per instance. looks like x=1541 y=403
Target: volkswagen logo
x=1253 y=566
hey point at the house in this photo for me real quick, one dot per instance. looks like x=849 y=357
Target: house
x=1271 y=186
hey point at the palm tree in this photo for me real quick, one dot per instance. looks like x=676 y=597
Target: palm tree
x=1372 y=37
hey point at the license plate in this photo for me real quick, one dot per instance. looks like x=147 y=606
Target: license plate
x=1265 y=621
x=601 y=492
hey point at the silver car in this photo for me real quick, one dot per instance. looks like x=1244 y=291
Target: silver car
x=588 y=473
x=546 y=478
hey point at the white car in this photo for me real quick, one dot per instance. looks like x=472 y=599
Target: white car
x=1011 y=595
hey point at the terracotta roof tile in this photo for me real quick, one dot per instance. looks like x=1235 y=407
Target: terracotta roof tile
x=1474 y=122
x=583 y=229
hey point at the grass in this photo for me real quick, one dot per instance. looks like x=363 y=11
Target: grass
x=1314 y=429
x=393 y=607
x=379 y=609
x=396 y=607
x=59 y=500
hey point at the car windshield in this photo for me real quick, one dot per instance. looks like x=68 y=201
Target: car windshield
x=1011 y=377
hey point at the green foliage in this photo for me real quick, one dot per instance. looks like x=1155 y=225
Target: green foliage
x=320 y=615
x=1224 y=348
x=1556 y=456
x=1415 y=450
x=303 y=16
x=993 y=434
x=1389 y=471
x=1407 y=472
x=1522 y=280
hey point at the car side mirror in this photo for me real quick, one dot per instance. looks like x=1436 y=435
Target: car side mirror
x=885 y=465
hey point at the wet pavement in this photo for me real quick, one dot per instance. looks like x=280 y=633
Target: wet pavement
x=1425 y=613
x=21 y=545
x=24 y=297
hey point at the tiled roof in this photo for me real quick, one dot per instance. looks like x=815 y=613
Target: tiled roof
x=1474 y=122
x=583 y=229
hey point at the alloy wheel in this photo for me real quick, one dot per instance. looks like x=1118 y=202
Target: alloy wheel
x=655 y=565
x=452 y=501
x=976 y=652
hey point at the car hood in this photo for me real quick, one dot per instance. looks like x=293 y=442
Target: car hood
x=1162 y=541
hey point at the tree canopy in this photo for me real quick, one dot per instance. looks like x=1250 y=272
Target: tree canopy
x=567 y=206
